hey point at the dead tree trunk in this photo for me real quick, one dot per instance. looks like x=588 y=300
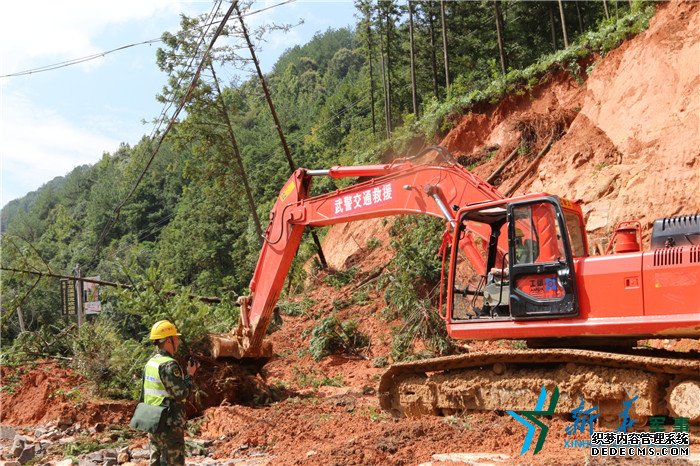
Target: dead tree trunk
x=516 y=184
x=499 y=33
x=563 y=23
x=414 y=90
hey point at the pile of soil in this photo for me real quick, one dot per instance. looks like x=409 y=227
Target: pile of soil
x=46 y=391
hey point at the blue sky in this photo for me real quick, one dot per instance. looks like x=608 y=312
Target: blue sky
x=53 y=121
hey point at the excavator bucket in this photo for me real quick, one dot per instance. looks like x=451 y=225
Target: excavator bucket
x=238 y=343
x=233 y=345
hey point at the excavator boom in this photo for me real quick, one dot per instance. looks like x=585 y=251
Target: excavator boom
x=393 y=189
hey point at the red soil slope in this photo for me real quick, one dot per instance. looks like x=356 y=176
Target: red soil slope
x=631 y=149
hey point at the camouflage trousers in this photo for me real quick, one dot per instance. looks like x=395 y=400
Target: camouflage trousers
x=168 y=448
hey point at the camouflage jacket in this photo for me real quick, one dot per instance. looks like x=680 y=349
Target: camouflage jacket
x=179 y=385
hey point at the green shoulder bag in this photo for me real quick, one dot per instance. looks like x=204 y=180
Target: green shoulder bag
x=148 y=418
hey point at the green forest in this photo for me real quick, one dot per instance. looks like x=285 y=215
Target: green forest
x=183 y=218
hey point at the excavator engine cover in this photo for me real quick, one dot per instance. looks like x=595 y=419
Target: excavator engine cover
x=676 y=231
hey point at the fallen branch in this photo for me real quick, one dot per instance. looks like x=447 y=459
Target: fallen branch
x=530 y=167
x=376 y=273
x=500 y=168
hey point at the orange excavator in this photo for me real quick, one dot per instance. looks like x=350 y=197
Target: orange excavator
x=513 y=268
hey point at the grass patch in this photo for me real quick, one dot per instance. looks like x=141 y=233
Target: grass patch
x=373 y=243
x=315 y=380
x=339 y=279
x=296 y=308
x=377 y=415
x=84 y=445
x=460 y=423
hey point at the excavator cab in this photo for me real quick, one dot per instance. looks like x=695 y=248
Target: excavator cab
x=535 y=278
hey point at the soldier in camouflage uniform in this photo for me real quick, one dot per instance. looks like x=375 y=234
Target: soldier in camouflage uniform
x=166 y=385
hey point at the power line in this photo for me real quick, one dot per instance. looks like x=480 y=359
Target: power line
x=76 y=61
x=206 y=299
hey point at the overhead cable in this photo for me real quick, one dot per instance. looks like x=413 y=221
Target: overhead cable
x=77 y=61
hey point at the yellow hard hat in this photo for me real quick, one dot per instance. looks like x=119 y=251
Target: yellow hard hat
x=163 y=329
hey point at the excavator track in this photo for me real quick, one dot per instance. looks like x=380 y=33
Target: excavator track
x=666 y=383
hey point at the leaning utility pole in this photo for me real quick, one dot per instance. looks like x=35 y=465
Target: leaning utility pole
x=278 y=125
x=223 y=109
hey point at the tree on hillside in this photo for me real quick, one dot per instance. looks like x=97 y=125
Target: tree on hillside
x=563 y=23
x=430 y=15
x=365 y=32
x=580 y=19
x=552 y=27
x=177 y=60
x=387 y=12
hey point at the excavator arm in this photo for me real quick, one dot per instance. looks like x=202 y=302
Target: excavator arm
x=393 y=189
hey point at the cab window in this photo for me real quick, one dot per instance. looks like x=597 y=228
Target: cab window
x=573 y=224
x=537 y=235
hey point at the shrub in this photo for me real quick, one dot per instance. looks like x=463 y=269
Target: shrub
x=411 y=282
x=381 y=361
x=331 y=336
x=373 y=243
x=113 y=364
